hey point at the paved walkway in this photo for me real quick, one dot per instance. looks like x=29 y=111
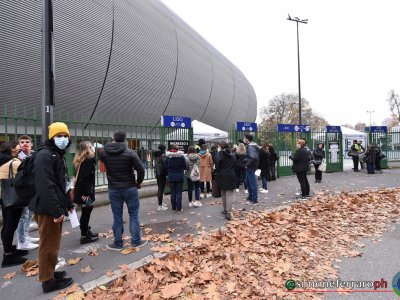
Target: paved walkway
x=281 y=192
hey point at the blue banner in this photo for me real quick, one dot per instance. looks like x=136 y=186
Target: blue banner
x=380 y=129
x=176 y=122
x=292 y=128
x=246 y=126
x=333 y=129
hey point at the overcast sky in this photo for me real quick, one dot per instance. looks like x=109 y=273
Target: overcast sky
x=349 y=50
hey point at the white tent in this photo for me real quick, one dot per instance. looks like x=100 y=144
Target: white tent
x=208 y=133
x=349 y=135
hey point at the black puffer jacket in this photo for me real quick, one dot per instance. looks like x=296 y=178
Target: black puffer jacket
x=251 y=159
x=301 y=161
x=225 y=169
x=50 y=172
x=121 y=163
x=86 y=180
x=160 y=160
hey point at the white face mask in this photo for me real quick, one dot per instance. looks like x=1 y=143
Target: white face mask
x=61 y=142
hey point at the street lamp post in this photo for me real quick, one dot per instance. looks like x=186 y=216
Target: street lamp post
x=370 y=118
x=297 y=20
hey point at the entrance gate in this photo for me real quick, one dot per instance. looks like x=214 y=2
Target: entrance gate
x=378 y=135
x=333 y=142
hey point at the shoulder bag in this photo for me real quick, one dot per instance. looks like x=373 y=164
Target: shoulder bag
x=9 y=196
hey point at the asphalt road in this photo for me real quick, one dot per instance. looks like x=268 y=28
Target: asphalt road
x=379 y=260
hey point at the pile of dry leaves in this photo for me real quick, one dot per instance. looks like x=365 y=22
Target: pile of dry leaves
x=254 y=256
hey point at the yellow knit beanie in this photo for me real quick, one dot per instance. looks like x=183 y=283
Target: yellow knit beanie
x=57 y=128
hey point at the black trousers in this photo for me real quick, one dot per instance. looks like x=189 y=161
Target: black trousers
x=318 y=173
x=11 y=218
x=355 y=162
x=161 y=181
x=208 y=187
x=85 y=217
x=304 y=185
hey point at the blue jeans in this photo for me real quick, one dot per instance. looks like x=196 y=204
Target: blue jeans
x=370 y=168
x=23 y=225
x=176 y=188
x=196 y=185
x=117 y=198
x=241 y=174
x=264 y=182
x=144 y=163
x=252 y=187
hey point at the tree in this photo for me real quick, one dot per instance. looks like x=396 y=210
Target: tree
x=284 y=109
x=360 y=126
x=348 y=126
x=394 y=103
x=391 y=122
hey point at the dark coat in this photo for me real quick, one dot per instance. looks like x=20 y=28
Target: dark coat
x=240 y=160
x=264 y=162
x=225 y=169
x=251 y=160
x=371 y=155
x=273 y=156
x=50 y=172
x=318 y=154
x=121 y=163
x=85 y=183
x=160 y=159
x=176 y=166
x=301 y=160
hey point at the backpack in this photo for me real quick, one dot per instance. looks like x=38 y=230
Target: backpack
x=24 y=181
x=195 y=173
x=160 y=165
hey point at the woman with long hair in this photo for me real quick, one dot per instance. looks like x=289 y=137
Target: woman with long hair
x=240 y=170
x=263 y=164
x=193 y=162
x=319 y=156
x=11 y=215
x=84 y=194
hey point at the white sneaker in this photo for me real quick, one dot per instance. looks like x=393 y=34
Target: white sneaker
x=260 y=189
x=32 y=239
x=263 y=191
x=27 y=246
x=161 y=207
x=201 y=196
x=208 y=195
x=33 y=226
x=165 y=205
x=190 y=204
x=237 y=190
x=246 y=191
x=66 y=218
x=60 y=262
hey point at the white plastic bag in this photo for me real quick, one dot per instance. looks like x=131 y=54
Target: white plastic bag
x=322 y=166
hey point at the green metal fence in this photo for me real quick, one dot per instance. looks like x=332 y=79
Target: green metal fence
x=12 y=125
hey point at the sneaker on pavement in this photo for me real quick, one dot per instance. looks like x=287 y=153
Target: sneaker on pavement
x=12 y=260
x=190 y=204
x=60 y=263
x=237 y=190
x=165 y=205
x=263 y=191
x=198 y=204
x=56 y=284
x=246 y=191
x=161 y=207
x=32 y=239
x=201 y=196
x=33 y=226
x=141 y=244
x=27 y=246
x=228 y=216
x=114 y=247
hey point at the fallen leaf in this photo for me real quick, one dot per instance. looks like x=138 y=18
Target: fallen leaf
x=9 y=275
x=87 y=269
x=74 y=261
x=130 y=250
x=171 y=291
x=110 y=273
x=93 y=252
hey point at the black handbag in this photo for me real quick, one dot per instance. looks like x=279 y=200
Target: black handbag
x=9 y=195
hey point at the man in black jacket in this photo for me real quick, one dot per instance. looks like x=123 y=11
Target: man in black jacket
x=161 y=174
x=121 y=163
x=251 y=165
x=50 y=203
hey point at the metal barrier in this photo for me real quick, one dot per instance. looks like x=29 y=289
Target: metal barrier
x=12 y=125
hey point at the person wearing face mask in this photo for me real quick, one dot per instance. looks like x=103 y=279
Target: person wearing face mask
x=300 y=166
x=50 y=203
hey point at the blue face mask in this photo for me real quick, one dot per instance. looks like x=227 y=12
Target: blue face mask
x=61 y=142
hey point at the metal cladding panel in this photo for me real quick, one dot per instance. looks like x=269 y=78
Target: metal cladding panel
x=222 y=94
x=83 y=34
x=143 y=65
x=158 y=64
x=194 y=76
x=20 y=65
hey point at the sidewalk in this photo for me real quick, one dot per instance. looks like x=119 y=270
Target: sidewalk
x=192 y=220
